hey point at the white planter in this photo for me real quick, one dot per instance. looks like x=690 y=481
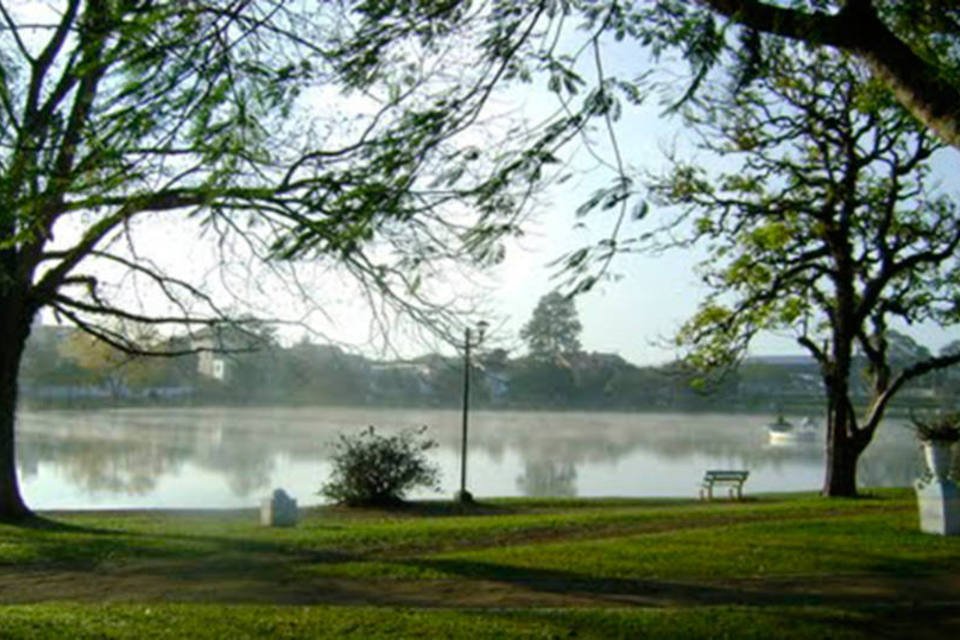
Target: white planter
x=938 y=457
x=939 y=504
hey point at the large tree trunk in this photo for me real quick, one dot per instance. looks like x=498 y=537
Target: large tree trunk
x=843 y=447
x=14 y=330
x=842 y=456
x=843 y=450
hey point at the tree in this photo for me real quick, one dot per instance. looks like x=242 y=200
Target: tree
x=322 y=374
x=826 y=227
x=42 y=363
x=903 y=351
x=114 y=113
x=554 y=329
x=542 y=383
x=598 y=59
x=109 y=365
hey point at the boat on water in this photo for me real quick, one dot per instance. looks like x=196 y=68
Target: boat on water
x=782 y=431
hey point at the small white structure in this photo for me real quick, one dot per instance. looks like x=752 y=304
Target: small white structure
x=279 y=510
x=937 y=495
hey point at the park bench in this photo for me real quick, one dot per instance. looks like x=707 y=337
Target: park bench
x=732 y=480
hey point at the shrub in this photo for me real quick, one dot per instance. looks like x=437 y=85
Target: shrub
x=370 y=469
x=943 y=427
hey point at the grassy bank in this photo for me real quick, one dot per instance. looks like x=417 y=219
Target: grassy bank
x=779 y=565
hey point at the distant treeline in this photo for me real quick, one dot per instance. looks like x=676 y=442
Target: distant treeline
x=62 y=369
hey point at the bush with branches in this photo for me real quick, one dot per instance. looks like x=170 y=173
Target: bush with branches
x=371 y=469
x=940 y=427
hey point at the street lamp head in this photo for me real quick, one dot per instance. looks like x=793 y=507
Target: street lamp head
x=481 y=329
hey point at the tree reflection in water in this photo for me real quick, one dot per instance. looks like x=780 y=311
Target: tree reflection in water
x=241 y=457
x=127 y=452
x=100 y=458
x=548 y=478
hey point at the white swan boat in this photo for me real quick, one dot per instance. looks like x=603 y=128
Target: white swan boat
x=782 y=431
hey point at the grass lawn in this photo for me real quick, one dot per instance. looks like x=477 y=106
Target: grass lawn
x=776 y=566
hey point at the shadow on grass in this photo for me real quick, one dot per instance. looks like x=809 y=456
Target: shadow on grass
x=47 y=544
x=898 y=621
x=424 y=509
x=37 y=522
x=803 y=591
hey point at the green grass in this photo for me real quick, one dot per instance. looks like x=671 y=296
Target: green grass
x=205 y=621
x=509 y=568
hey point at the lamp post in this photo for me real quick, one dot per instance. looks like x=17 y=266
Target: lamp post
x=463 y=495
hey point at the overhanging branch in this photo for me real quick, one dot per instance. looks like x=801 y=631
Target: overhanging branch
x=918 y=84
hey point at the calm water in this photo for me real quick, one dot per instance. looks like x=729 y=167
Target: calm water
x=232 y=457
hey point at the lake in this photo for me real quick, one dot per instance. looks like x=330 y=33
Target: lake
x=232 y=457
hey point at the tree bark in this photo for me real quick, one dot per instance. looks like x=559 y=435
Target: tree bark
x=842 y=455
x=14 y=329
x=843 y=448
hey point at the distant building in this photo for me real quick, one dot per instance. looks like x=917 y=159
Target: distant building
x=216 y=343
x=210 y=363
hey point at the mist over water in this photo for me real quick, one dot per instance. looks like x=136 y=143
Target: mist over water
x=232 y=457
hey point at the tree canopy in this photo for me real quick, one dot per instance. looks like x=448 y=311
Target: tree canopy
x=553 y=329
x=110 y=365
x=909 y=46
x=601 y=58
